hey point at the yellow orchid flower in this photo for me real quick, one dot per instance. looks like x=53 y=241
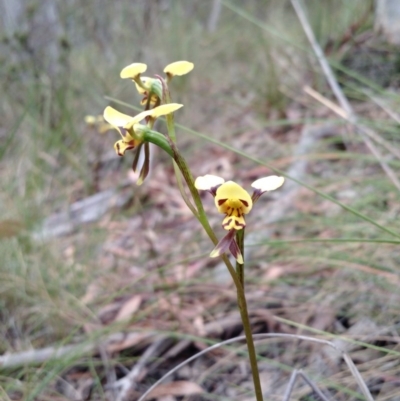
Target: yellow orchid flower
x=234 y=202
x=132 y=132
x=178 y=68
x=125 y=124
x=145 y=85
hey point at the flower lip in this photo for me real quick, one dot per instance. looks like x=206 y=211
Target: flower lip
x=232 y=196
x=179 y=68
x=233 y=201
x=133 y=70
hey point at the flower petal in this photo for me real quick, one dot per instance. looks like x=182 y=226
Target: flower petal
x=223 y=245
x=133 y=70
x=179 y=68
x=268 y=183
x=139 y=117
x=235 y=251
x=165 y=109
x=121 y=146
x=115 y=118
x=146 y=165
x=208 y=182
x=228 y=243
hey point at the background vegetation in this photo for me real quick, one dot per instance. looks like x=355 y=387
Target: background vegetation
x=76 y=271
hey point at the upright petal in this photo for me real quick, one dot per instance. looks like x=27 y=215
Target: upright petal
x=133 y=70
x=179 y=68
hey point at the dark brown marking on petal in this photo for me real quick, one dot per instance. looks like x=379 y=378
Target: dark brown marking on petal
x=221 y=201
x=244 y=202
x=118 y=150
x=227 y=223
x=237 y=224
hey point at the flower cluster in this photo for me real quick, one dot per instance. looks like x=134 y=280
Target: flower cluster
x=234 y=202
x=130 y=128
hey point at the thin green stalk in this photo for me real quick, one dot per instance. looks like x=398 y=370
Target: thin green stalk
x=244 y=314
x=182 y=190
x=238 y=275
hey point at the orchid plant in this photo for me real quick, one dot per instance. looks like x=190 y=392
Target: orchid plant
x=231 y=200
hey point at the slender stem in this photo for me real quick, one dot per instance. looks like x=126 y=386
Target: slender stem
x=238 y=275
x=242 y=303
x=244 y=314
x=182 y=190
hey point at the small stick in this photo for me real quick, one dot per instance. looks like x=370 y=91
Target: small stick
x=127 y=382
x=292 y=381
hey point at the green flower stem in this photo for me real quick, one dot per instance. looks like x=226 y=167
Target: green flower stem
x=182 y=190
x=238 y=276
x=201 y=214
x=244 y=314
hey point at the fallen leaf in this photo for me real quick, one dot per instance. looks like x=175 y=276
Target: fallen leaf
x=126 y=341
x=178 y=388
x=128 y=308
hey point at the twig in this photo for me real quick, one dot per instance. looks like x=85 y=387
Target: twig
x=292 y=381
x=38 y=356
x=42 y=355
x=343 y=101
x=127 y=382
